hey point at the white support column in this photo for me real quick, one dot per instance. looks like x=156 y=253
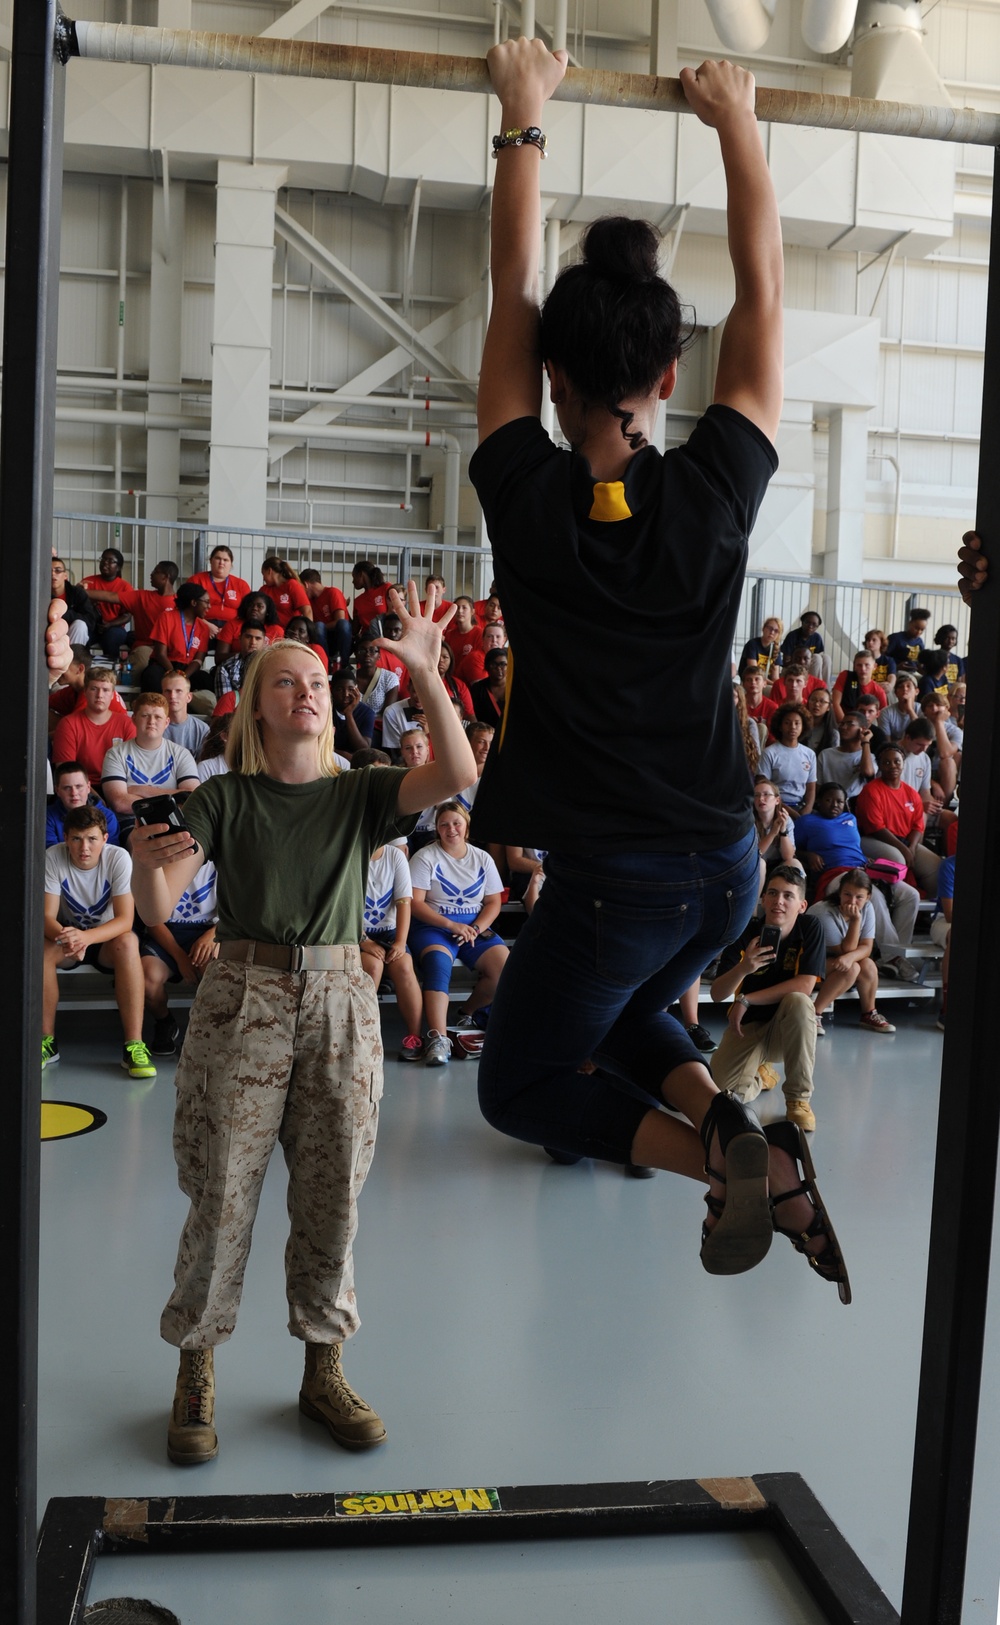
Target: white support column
x=166 y=298
x=241 y=343
x=663 y=38
x=844 y=555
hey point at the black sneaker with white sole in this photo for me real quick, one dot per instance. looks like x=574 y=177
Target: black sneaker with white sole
x=702 y=1039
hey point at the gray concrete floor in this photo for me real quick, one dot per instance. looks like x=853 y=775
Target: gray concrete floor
x=522 y=1323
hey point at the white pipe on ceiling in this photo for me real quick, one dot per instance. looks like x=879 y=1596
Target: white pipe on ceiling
x=742 y=25
x=827 y=24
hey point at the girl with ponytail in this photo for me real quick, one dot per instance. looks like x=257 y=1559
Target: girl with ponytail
x=646 y=819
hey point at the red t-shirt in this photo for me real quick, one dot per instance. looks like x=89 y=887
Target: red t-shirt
x=77 y=739
x=879 y=806
x=290 y=598
x=224 y=596
x=374 y=601
x=762 y=712
x=229 y=634
x=145 y=607
x=226 y=704
x=184 y=643
x=325 y=607
x=951 y=839
x=779 y=692
x=391 y=662
x=463 y=643
x=863 y=688
x=442 y=608
x=472 y=669
x=98 y=584
x=64 y=701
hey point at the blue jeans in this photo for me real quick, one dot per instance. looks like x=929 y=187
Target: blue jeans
x=611 y=942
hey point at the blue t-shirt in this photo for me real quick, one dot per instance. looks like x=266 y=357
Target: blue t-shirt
x=946 y=879
x=904 y=649
x=55 y=821
x=835 y=840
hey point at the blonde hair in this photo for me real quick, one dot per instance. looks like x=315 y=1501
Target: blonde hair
x=452 y=807
x=245 y=749
x=775 y=620
x=100 y=674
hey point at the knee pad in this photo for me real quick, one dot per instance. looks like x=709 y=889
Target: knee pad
x=435 y=970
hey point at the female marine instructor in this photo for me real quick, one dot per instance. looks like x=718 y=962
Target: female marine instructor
x=283 y=1043
x=652 y=858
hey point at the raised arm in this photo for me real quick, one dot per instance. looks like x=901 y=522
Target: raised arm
x=524 y=75
x=454 y=765
x=751 y=361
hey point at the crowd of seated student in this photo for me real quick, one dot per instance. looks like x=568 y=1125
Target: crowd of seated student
x=880 y=798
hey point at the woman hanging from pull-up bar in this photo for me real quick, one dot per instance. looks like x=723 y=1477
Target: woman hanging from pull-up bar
x=652 y=858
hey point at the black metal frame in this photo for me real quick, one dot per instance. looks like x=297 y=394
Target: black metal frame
x=27 y=444
x=77 y=1531
x=74 y=1532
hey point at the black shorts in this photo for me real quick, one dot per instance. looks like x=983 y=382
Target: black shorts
x=186 y=936
x=91 y=958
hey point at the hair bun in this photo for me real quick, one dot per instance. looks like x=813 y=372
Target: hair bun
x=622 y=250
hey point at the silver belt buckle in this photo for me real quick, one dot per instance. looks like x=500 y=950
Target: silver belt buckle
x=297 y=952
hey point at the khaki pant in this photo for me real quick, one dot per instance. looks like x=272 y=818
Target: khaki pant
x=274 y=1056
x=789 y=1036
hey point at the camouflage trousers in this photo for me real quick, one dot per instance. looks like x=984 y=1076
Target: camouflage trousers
x=293 y=1057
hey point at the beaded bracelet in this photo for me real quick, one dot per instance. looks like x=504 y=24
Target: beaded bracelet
x=531 y=137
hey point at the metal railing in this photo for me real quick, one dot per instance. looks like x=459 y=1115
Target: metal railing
x=81 y=538
x=848 y=609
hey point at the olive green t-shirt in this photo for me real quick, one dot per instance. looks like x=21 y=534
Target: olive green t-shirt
x=292 y=859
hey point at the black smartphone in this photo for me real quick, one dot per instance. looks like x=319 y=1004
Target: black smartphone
x=770 y=937
x=160 y=810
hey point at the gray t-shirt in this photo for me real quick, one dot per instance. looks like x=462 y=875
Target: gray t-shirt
x=842 y=767
x=835 y=925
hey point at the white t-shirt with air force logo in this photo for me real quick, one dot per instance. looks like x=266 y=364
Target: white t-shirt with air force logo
x=85 y=895
x=388 y=884
x=161 y=769
x=455 y=886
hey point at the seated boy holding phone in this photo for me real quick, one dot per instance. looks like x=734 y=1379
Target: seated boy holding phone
x=771 y=973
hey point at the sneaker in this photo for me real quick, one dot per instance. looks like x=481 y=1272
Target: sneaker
x=326 y=1396
x=905 y=969
x=411 y=1049
x=820 y=1029
x=939 y=1024
x=702 y=1039
x=437 y=1050
x=874 y=1022
x=50 y=1053
x=766 y=1075
x=165 y=1036
x=800 y=1111
x=191 y=1435
x=136 y=1060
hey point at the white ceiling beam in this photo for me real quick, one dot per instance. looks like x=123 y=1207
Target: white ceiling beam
x=295 y=19
x=341 y=276
x=380 y=372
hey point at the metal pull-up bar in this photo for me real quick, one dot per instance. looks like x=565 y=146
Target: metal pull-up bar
x=179 y=48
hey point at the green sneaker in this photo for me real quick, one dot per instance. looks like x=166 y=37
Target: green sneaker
x=50 y=1053
x=136 y=1060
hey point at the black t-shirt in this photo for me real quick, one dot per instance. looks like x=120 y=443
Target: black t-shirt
x=801 y=953
x=639 y=750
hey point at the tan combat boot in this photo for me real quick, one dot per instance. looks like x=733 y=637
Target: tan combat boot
x=326 y=1396
x=191 y=1438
